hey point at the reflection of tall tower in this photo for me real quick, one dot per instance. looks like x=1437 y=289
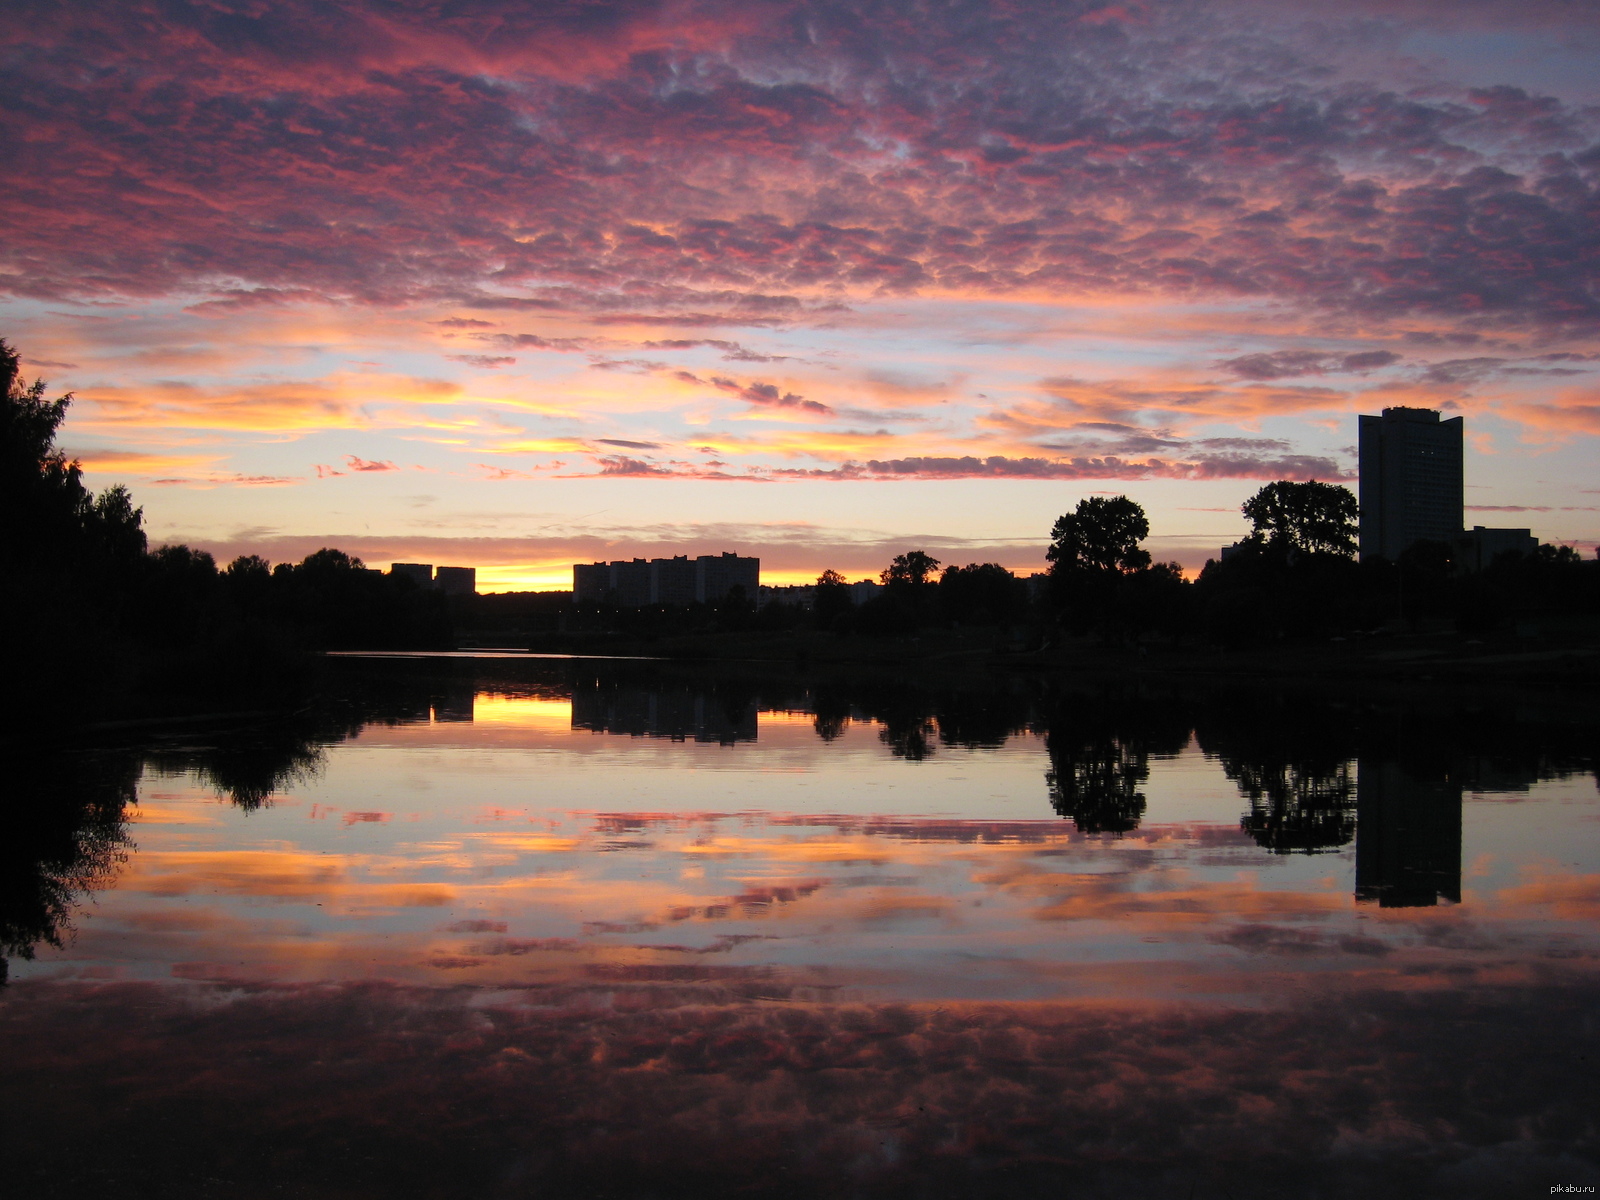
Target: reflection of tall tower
x=1408 y=837
x=1411 y=480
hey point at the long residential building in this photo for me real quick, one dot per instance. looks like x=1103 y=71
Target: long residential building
x=452 y=581
x=681 y=580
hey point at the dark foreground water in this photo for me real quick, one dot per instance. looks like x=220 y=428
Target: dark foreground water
x=550 y=929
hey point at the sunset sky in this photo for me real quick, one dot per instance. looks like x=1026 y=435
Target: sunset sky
x=514 y=284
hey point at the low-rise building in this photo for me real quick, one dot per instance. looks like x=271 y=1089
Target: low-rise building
x=800 y=594
x=420 y=574
x=456 y=581
x=452 y=581
x=1478 y=547
x=863 y=590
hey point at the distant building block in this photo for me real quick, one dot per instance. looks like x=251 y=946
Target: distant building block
x=590 y=581
x=1479 y=547
x=420 y=574
x=716 y=576
x=630 y=583
x=456 y=581
x=1411 y=480
x=863 y=590
x=672 y=580
x=680 y=580
x=802 y=595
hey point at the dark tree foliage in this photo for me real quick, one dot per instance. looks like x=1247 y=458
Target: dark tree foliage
x=1293 y=764
x=915 y=721
x=334 y=602
x=834 y=712
x=65 y=837
x=913 y=569
x=1303 y=518
x=1294 y=578
x=982 y=594
x=830 y=600
x=100 y=626
x=909 y=599
x=1102 y=581
x=68 y=560
x=1100 y=750
x=1295 y=575
x=51 y=526
x=1101 y=535
x=1097 y=784
x=65 y=805
x=1296 y=808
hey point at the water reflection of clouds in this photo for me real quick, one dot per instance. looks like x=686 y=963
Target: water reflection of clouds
x=840 y=945
x=630 y=1073
x=645 y=826
x=1566 y=895
x=287 y=875
x=907 y=905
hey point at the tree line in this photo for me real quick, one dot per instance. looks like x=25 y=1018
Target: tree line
x=97 y=623
x=1294 y=576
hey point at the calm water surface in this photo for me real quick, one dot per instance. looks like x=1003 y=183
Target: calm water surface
x=532 y=929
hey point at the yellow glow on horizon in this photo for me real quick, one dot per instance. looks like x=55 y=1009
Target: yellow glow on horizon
x=522 y=712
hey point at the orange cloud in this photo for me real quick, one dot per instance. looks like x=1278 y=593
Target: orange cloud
x=276 y=874
x=336 y=402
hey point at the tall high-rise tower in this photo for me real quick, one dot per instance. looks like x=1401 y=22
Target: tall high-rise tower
x=1411 y=480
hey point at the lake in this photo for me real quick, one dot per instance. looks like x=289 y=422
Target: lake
x=513 y=927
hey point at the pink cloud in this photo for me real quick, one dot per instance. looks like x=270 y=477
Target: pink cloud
x=374 y=169
x=1208 y=466
x=489 y=361
x=363 y=464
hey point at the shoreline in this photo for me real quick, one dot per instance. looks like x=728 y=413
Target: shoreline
x=1564 y=660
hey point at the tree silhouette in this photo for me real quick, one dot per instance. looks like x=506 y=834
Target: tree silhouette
x=910 y=570
x=1304 y=518
x=1096 y=783
x=830 y=599
x=981 y=594
x=1293 y=763
x=908 y=600
x=1296 y=808
x=251 y=764
x=65 y=837
x=1103 y=581
x=1101 y=535
x=1100 y=744
x=49 y=522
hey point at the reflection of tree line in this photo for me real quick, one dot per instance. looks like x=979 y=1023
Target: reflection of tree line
x=65 y=836
x=66 y=813
x=1314 y=775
